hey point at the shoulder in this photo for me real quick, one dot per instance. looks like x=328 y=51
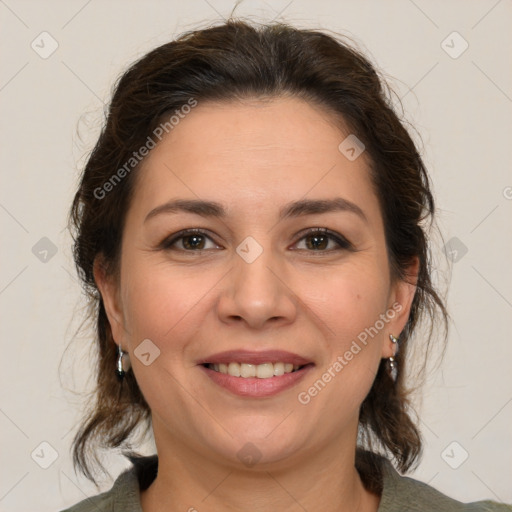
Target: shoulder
x=124 y=496
x=405 y=494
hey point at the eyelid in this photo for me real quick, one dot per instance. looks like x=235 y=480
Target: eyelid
x=169 y=241
x=343 y=243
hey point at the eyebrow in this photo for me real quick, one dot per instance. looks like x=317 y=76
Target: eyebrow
x=294 y=209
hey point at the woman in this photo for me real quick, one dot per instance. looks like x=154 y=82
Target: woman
x=250 y=227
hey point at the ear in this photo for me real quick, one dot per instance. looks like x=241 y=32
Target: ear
x=400 y=301
x=109 y=290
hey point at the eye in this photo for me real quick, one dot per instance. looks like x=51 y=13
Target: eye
x=191 y=240
x=318 y=240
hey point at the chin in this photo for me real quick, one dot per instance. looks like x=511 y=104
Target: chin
x=256 y=445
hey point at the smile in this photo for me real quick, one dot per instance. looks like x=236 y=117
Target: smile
x=259 y=371
x=255 y=381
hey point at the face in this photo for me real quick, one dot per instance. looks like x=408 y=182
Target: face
x=311 y=281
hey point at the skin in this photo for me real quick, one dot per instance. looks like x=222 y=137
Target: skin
x=254 y=157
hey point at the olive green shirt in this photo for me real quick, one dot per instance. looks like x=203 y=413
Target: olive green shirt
x=398 y=493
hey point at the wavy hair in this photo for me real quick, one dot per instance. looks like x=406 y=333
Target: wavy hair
x=238 y=60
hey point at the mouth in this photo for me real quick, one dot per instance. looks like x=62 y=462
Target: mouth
x=251 y=374
x=256 y=381
x=259 y=371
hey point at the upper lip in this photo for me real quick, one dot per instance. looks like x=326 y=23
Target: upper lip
x=252 y=357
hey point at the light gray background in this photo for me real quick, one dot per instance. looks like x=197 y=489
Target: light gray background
x=462 y=108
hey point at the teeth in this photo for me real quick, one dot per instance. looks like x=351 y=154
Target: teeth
x=260 y=371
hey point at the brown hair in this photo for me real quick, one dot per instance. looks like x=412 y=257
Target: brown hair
x=237 y=60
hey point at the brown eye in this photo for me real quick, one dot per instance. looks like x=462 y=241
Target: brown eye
x=193 y=241
x=316 y=240
x=322 y=240
x=190 y=240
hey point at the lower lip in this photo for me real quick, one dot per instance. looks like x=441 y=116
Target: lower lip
x=254 y=387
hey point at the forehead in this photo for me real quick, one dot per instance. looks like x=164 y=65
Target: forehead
x=256 y=130
x=254 y=154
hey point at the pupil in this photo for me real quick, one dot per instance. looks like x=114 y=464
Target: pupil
x=316 y=244
x=194 y=245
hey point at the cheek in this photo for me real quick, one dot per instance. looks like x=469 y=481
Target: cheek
x=349 y=301
x=350 y=308
x=166 y=302
x=162 y=305
x=160 y=302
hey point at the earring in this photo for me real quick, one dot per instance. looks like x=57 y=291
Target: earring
x=122 y=365
x=391 y=361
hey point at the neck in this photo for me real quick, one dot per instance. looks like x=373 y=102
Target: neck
x=323 y=480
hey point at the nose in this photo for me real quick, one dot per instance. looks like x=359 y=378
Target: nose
x=257 y=293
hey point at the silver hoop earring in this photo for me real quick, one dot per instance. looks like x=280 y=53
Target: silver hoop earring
x=122 y=365
x=393 y=370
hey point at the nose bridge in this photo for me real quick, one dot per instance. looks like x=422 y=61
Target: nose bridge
x=254 y=272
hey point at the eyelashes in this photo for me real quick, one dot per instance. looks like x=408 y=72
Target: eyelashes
x=192 y=241
x=196 y=234
x=325 y=234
